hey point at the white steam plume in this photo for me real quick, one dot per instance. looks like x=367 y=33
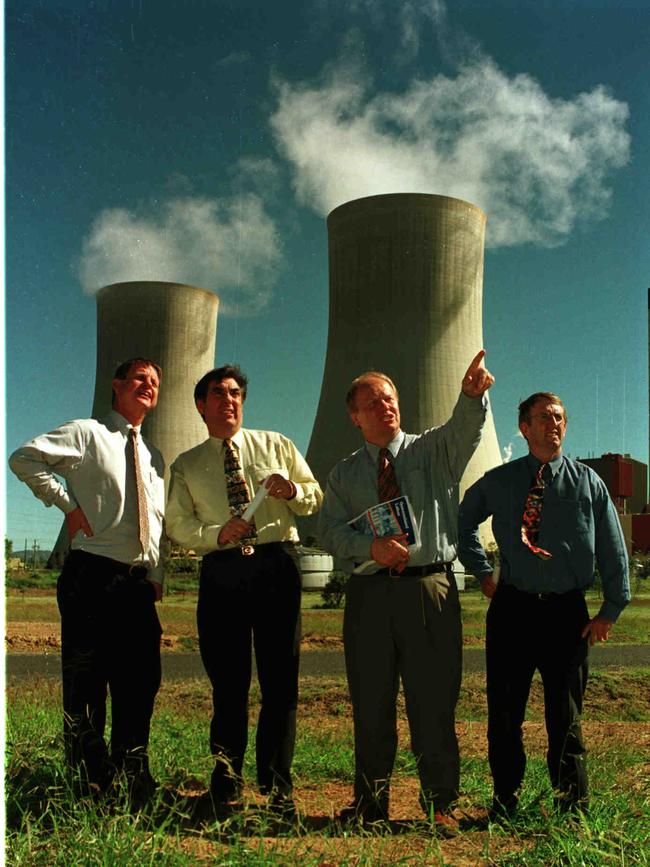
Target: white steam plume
x=507 y=452
x=536 y=164
x=229 y=245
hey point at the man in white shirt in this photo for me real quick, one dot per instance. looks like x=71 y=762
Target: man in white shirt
x=113 y=503
x=249 y=586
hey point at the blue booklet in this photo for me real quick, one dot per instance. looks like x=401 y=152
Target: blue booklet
x=392 y=518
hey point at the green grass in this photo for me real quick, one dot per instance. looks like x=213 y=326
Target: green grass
x=47 y=826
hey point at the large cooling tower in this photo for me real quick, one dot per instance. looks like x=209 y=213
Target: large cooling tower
x=176 y=326
x=406 y=283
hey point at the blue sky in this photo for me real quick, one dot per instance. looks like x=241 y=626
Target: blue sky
x=221 y=133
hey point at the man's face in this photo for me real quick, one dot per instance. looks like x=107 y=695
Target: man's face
x=136 y=395
x=222 y=408
x=376 y=411
x=546 y=428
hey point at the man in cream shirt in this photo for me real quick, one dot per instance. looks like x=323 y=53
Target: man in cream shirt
x=110 y=632
x=249 y=582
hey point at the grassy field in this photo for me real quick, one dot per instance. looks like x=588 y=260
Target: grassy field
x=46 y=826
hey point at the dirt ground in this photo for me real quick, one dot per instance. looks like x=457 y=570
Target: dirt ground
x=34 y=637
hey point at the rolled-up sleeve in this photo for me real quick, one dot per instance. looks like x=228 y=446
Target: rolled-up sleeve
x=38 y=461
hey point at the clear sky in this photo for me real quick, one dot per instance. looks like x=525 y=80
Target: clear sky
x=205 y=142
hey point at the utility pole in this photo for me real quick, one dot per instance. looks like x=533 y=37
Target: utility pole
x=35 y=546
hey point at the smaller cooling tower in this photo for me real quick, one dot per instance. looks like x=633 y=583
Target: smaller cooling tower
x=174 y=325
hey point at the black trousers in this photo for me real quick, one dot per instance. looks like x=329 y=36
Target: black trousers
x=393 y=628
x=110 y=639
x=525 y=633
x=241 y=598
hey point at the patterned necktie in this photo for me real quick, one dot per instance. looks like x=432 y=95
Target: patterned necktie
x=387 y=487
x=532 y=515
x=237 y=491
x=143 y=513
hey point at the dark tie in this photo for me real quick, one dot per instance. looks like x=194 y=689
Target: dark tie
x=387 y=487
x=237 y=489
x=143 y=513
x=533 y=514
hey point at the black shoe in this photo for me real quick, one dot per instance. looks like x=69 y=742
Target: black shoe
x=282 y=805
x=362 y=814
x=142 y=789
x=503 y=809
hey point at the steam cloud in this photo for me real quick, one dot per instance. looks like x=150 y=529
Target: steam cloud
x=537 y=165
x=230 y=245
x=507 y=452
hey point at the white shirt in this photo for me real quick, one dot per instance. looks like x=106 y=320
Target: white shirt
x=91 y=455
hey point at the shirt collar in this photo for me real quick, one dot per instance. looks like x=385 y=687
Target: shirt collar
x=121 y=423
x=393 y=447
x=237 y=439
x=555 y=464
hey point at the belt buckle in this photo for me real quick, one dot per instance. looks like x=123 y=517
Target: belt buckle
x=247 y=550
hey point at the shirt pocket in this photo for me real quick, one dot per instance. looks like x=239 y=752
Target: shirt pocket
x=568 y=518
x=259 y=472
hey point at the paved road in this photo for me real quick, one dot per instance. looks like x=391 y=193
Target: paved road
x=180 y=666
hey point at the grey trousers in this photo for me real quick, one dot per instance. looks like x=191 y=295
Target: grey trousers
x=393 y=628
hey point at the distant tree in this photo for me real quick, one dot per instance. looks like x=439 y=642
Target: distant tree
x=9 y=548
x=333 y=592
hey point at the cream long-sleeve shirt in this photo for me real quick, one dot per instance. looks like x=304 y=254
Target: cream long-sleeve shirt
x=91 y=455
x=197 y=507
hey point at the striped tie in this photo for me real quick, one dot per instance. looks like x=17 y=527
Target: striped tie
x=143 y=513
x=387 y=487
x=533 y=514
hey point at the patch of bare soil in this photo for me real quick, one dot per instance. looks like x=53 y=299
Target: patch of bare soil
x=35 y=637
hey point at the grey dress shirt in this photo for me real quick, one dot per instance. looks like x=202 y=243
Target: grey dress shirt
x=428 y=468
x=579 y=527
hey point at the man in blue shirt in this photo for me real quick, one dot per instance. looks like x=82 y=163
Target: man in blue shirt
x=403 y=620
x=552 y=519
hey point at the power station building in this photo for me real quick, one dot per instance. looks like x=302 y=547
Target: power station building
x=406 y=294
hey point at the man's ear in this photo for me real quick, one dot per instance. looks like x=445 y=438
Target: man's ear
x=200 y=406
x=523 y=429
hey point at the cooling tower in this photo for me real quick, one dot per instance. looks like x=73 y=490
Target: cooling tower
x=406 y=283
x=176 y=326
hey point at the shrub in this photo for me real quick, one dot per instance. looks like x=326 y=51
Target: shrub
x=333 y=592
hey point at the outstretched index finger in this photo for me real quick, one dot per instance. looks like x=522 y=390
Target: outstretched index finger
x=476 y=363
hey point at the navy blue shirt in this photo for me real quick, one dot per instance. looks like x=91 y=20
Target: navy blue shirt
x=579 y=527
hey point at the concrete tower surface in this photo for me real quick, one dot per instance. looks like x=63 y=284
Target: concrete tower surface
x=174 y=325
x=406 y=284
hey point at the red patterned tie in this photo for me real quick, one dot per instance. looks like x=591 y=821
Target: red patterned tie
x=387 y=487
x=532 y=515
x=237 y=491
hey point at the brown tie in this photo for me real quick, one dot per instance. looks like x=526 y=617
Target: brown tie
x=387 y=487
x=143 y=512
x=533 y=515
x=237 y=489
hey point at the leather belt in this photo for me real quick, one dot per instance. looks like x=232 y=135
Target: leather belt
x=107 y=564
x=416 y=570
x=236 y=552
x=541 y=597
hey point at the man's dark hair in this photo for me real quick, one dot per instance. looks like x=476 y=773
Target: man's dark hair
x=228 y=371
x=360 y=381
x=124 y=369
x=526 y=406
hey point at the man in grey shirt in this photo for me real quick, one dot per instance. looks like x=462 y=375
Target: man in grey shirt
x=113 y=503
x=403 y=620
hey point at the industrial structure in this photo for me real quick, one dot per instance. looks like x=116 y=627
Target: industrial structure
x=176 y=326
x=406 y=285
x=626 y=480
